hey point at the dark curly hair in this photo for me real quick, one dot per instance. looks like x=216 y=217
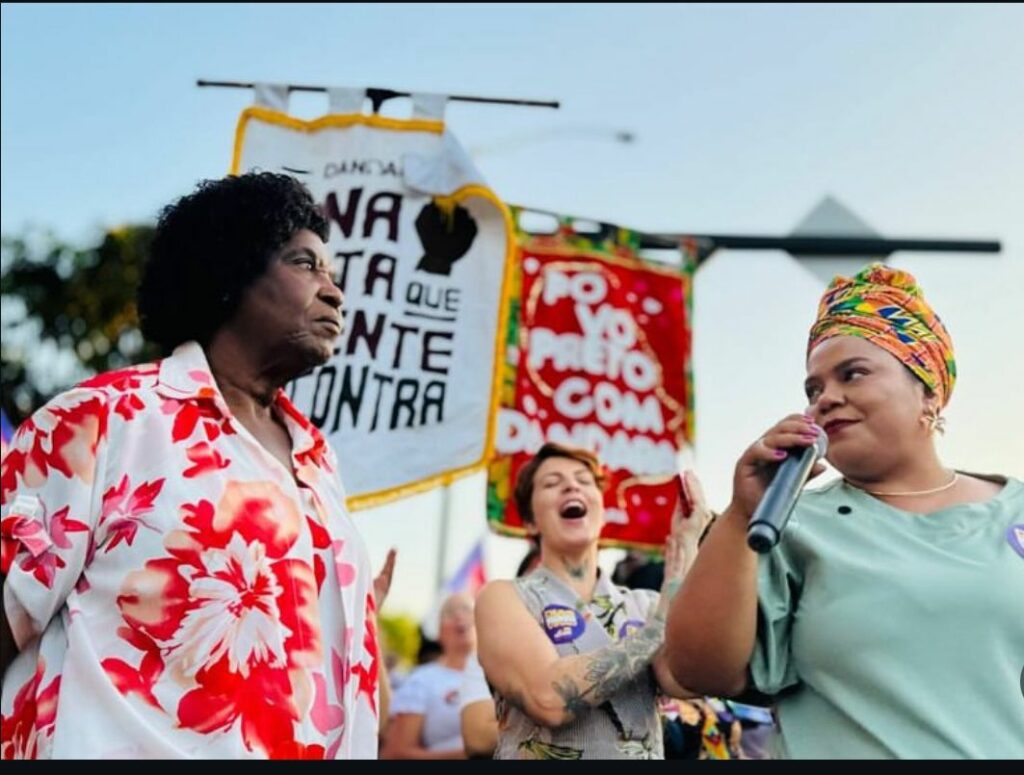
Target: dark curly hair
x=210 y=245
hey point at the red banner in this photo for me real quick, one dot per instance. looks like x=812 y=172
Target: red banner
x=597 y=356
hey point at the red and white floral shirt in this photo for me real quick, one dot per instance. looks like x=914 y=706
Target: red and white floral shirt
x=174 y=591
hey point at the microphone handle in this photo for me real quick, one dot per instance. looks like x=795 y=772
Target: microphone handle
x=772 y=513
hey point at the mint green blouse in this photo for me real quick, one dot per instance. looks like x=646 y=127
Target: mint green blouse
x=888 y=634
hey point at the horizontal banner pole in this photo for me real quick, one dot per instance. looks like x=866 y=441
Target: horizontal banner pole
x=816 y=245
x=379 y=96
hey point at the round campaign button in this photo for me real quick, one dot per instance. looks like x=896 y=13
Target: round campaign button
x=629 y=627
x=562 y=624
x=1015 y=535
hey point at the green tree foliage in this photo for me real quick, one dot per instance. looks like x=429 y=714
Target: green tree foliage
x=68 y=312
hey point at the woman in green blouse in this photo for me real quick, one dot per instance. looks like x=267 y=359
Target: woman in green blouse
x=889 y=620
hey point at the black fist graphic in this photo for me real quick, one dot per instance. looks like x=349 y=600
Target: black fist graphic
x=446 y=234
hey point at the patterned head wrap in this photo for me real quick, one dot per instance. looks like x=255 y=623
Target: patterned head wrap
x=886 y=307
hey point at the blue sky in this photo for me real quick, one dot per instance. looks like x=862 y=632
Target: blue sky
x=745 y=117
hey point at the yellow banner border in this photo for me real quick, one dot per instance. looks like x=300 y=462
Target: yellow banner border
x=334 y=121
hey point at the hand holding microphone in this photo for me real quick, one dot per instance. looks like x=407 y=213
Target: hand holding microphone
x=772 y=513
x=771 y=474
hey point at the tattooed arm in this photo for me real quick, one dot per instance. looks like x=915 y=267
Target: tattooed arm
x=524 y=667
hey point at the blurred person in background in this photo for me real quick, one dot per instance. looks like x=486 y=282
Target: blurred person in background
x=424 y=720
x=478 y=715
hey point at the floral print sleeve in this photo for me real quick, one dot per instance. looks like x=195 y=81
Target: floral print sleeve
x=48 y=496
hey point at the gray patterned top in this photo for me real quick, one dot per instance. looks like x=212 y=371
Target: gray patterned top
x=625 y=727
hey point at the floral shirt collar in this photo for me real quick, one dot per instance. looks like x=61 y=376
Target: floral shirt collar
x=186 y=376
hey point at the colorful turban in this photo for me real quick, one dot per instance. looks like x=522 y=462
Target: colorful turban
x=886 y=307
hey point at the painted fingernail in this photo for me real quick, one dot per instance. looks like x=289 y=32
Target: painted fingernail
x=779 y=453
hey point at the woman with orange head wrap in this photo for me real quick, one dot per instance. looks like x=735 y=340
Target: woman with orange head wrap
x=896 y=586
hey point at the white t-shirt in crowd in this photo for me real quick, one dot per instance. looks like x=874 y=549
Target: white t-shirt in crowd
x=433 y=691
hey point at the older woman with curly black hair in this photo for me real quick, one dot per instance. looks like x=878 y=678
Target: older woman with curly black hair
x=180 y=575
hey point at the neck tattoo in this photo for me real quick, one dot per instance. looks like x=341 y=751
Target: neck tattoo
x=578 y=572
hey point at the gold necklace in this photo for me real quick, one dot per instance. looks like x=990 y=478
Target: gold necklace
x=941 y=488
